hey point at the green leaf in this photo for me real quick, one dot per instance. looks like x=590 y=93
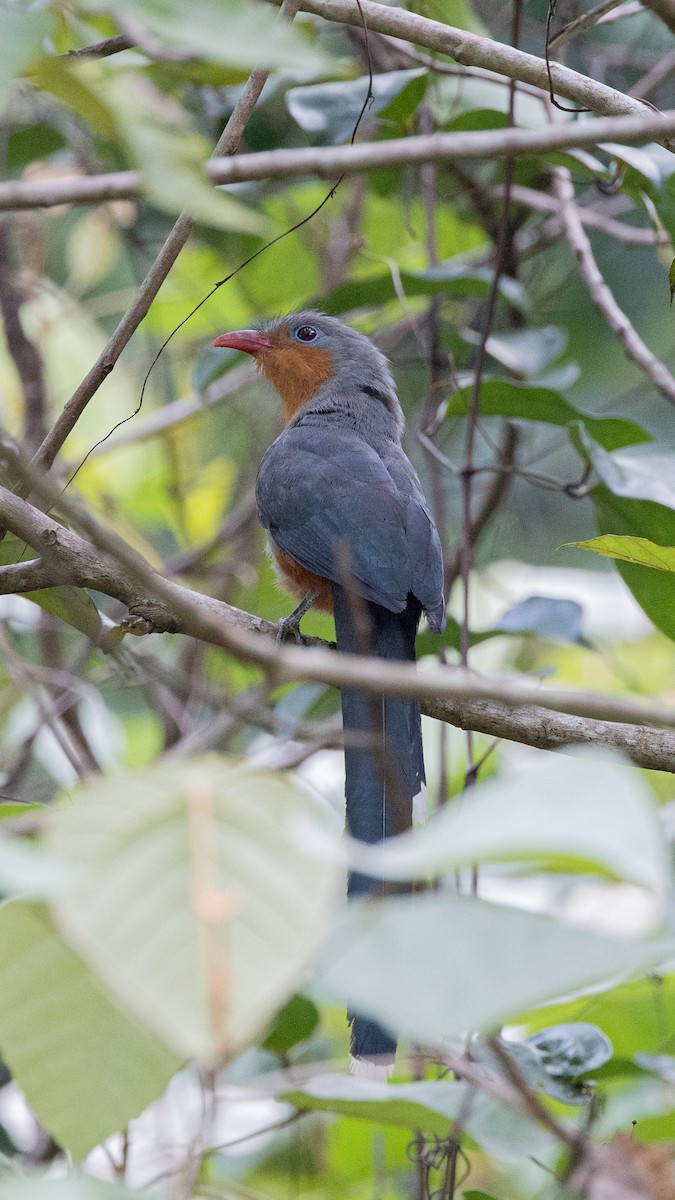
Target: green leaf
x=430 y=1107
x=77 y=87
x=75 y=1187
x=72 y=605
x=436 y=281
x=232 y=32
x=86 y=1066
x=24 y=866
x=572 y=1049
x=295 y=1022
x=383 y=960
x=632 y=550
x=329 y=110
x=207 y=985
x=556 y=620
x=639 y=472
x=500 y=398
x=29 y=142
x=571 y=812
x=523 y=352
x=532 y=1067
x=653 y=590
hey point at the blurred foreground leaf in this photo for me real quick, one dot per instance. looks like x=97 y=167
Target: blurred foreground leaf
x=437 y=965
x=86 y=1066
x=211 y=909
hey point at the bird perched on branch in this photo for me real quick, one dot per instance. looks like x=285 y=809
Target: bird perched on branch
x=351 y=533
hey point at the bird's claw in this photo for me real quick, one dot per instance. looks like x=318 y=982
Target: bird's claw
x=288 y=626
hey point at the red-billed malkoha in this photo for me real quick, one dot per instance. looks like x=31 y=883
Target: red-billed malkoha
x=351 y=532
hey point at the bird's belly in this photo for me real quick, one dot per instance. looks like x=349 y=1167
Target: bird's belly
x=299 y=580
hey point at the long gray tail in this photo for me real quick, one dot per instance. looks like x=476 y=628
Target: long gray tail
x=386 y=771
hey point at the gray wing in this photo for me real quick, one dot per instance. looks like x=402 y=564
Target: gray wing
x=322 y=488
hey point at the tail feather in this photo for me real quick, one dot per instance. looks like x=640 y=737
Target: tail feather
x=382 y=777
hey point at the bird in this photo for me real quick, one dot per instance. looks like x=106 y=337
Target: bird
x=351 y=534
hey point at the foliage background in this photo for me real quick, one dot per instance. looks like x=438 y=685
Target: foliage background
x=104 y=995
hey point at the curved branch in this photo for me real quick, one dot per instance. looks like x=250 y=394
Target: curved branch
x=502 y=708
x=601 y=293
x=471 y=50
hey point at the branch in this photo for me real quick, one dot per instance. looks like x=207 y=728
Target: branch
x=471 y=50
x=103 y=49
x=25 y=355
x=593 y=219
x=159 y=605
x=329 y=161
x=635 y=348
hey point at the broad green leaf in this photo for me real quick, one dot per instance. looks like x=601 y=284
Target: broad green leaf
x=570 y=812
x=640 y=472
x=572 y=1049
x=72 y=605
x=86 y=1066
x=435 y=281
x=232 y=32
x=430 y=1107
x=653 y=590
x=632 y=550
x=295 y=1022
x=500 y=398
x=640 y=161
x=330 y=110
x=532 y=1067
x=523 y=352
x=206 y=971
x=556 y=620
x=77 y=88
x=383 y=959
x=75 y=1187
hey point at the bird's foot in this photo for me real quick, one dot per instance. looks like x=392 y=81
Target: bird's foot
x=290 y=626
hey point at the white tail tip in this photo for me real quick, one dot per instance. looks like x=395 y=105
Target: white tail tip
x=372 y=1072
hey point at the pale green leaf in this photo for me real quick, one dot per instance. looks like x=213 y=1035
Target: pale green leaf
x=85 y=1065
x=232 y=32
x=430 y=1107
x=156 y=836
x=570 y=812
x=631 y=549
x=438 y=965
x=75 y=1187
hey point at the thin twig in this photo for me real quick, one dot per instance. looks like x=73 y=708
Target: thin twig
x=636 y=350
x=102 y=49
x=586 y=21
x=24 y=353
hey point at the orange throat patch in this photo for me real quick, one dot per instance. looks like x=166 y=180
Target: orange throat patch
x=296 y=372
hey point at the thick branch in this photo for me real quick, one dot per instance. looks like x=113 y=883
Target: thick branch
x=159 y=605
x=471 y=50
x=329 y=161
x=600 y=292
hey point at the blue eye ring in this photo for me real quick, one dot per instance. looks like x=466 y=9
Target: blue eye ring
x=306 y=333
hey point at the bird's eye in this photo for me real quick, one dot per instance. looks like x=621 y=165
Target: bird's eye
x=306 y=333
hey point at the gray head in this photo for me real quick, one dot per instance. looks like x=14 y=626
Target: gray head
x=308 y=356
